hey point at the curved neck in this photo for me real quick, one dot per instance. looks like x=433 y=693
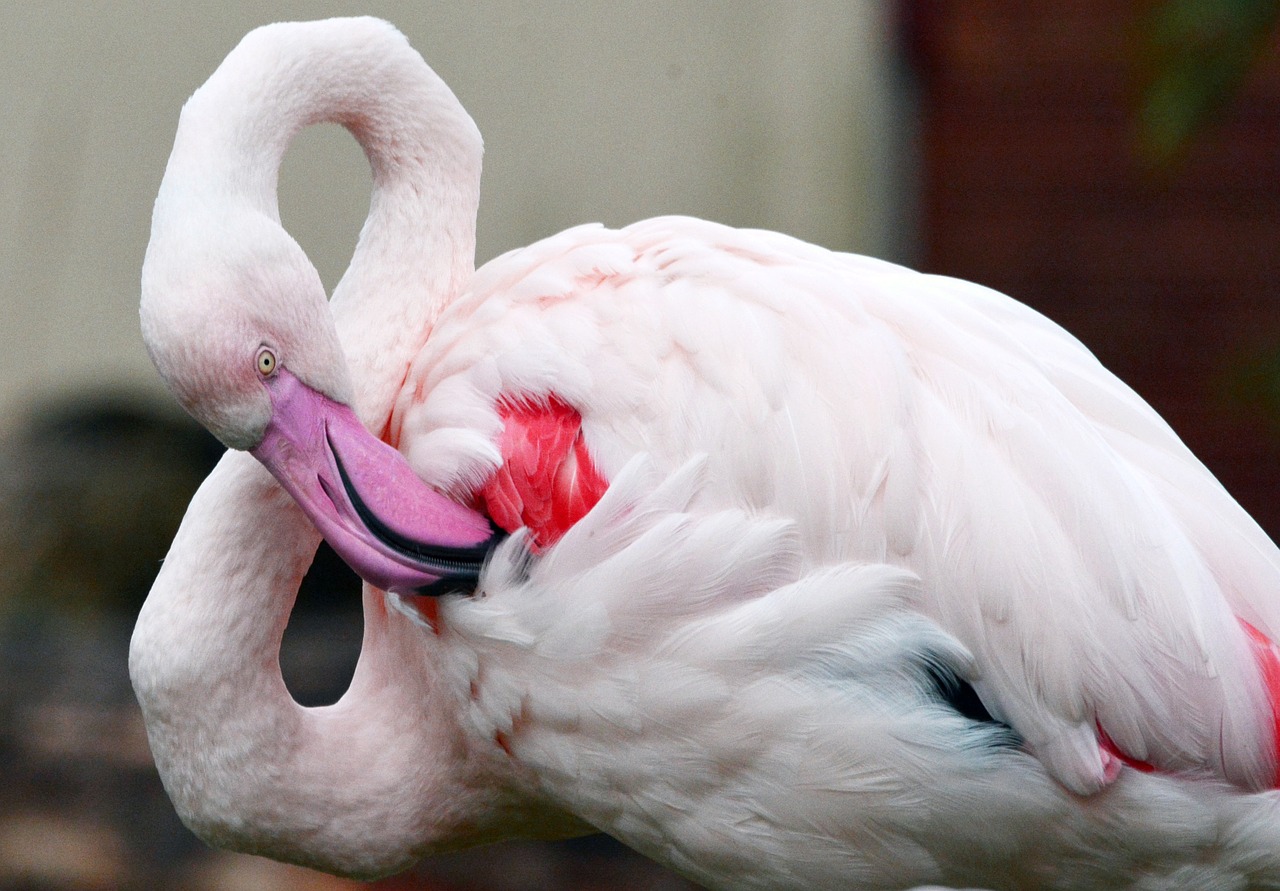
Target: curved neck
x=416 y=251
x=361 y=787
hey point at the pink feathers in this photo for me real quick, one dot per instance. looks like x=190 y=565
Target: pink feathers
x=547 y=481
x=1268 y=656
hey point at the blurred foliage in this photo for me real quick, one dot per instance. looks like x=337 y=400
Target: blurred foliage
x=1196 y=55
x=1249 y=383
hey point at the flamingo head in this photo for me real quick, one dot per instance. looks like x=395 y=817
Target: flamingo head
x=240 y=331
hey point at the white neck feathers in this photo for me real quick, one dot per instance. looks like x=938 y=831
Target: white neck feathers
x=416 y=252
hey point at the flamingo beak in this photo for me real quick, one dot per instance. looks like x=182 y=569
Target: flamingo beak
x=393 y=529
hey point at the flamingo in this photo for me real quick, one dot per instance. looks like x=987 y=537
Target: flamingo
x=788 y=568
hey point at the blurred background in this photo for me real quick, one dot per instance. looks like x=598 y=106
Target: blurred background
x=1116 y=165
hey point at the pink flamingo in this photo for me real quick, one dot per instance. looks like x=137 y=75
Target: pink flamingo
x=820 y=572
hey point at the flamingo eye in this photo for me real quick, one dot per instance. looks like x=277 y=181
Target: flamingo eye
x=266 y=363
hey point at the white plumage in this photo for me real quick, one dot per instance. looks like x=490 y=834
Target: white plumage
x=912 y=420
x=833 y=483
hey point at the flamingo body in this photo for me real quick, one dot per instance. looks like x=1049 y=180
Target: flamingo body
x=957 y=444
x=764 y=503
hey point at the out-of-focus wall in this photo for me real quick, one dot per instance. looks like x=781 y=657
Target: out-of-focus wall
x=755 y=113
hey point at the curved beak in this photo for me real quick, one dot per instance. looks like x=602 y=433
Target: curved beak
x=393 y=529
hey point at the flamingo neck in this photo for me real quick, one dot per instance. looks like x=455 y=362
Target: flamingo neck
x=416 y=251
x=362 y=787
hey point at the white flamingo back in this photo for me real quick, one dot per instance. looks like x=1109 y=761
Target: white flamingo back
x=1058 y=527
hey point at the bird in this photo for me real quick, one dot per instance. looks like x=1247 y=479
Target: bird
x=788 y=568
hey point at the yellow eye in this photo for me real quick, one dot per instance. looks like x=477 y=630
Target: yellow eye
x=266 y=363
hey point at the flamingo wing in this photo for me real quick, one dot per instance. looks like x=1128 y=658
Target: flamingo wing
x=1105 y=581
x=1116 y=601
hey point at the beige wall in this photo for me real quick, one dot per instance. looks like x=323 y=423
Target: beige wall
x=752 y=112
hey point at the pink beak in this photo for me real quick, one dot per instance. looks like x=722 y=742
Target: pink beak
x=394 y=530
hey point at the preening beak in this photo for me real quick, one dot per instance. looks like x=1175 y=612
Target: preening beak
x=394 y=530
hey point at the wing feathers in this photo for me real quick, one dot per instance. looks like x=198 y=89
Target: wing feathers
x=1058 y=528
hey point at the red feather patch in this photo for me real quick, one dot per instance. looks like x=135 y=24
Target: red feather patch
x=547 y=480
